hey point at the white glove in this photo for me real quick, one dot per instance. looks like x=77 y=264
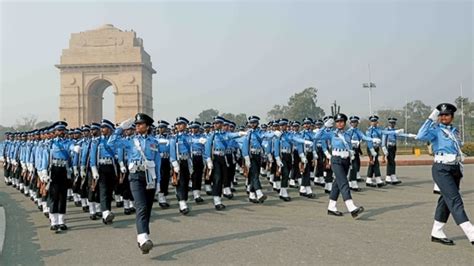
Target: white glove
x=8 y=160
x=352 y=153
x=247 y=161
x=14 y=162
x=23 y=165
x=76 y=148
x=399 y=131
x=30 y=167
x=385 y=151
x=95 y=172
x=43 y=174
x=434 y=115
x=46 y=178
x=242 y=133
x=163 y=141
x=308 y=143
x=175 y=166
x=209 y=164
x=373 y=152
x=75 y=171
x=315 y=156
x=411 y=135
x=123 y=169
x=83 y=171
x=277 y=133
x=376 y=140
x=329 y=123
x=2 y=158
x=270 y=158
x=127 y=123
x=328 y=155
x=202 y=141
x=303 y=158
x=279 y=162
x=69 y=172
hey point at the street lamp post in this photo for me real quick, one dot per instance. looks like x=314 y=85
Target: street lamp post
x=369 y=85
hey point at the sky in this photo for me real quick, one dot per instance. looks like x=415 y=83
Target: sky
x=246 y=56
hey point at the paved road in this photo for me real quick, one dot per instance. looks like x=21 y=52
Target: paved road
x=394 y=230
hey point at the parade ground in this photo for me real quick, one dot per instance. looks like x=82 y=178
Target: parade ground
x=394 y=230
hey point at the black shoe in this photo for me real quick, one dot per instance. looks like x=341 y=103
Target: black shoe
x=53 y=227
x=370 y=185
x=327 y=191
x=21 y=191
x=360 y=180
x=229 y=196
x=199 y=200
x=155 y=200
x=63 y=227
x=262 y=199
x=396 y=182
x=209 y=193
x=235 y=183
x=70 y=198
x=93 y=217
x=233 y=190
x=40 y=207
x=46 y=214
x=388 y=182
x=164 y=205
x=127 y=211
x=276 y=190
x=77 y=204
x=302 y=194
x=358 y=189
x=184 y=211
x=146 y=247
x=253 y=200
x=335 y=213
x=381 y=185
x=285 y=198
x=119 y=204
x=220 y=207
x=133 y=209
x=444 y=241
x=85 y=209
x=355 y=213
x=310 y=195
x=436 y=192
x=56 y=229
x=99 y=214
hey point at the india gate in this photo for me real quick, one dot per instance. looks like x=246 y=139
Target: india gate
x=100 y=58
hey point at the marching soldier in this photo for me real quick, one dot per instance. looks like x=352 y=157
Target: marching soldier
x=341 y=154
x=307 y=154
x=295 y=170
x=389 y=148
x=144 y=166
x=197 y=151
x=319 y=172
x=124 y=180
x=93 y=195
x=103 y=170
x=165 y=169
x=356 y=136
x=447 y=171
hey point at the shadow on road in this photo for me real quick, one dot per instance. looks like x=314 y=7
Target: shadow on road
x=200 y=243
x=369 y=214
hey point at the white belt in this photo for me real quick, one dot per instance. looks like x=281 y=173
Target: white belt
x=446 y=158
x=183 y=156
x=343 y=154
x=255 y=151
x=218 y=153
x=197 y=153
x=106 y=161
x=164 y=155
x=59 y=162
x=286 y=151
x=391 y=144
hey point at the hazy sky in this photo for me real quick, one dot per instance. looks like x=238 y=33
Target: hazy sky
x=248 y=56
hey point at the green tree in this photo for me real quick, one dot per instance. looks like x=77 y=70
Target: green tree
x=207 y=115
x=300 y=105
x=464 y=103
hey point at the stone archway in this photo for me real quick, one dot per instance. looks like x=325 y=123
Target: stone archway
x=98 y=59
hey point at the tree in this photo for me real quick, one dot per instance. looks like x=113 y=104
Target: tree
x=239 y=119
x=300 y=105
x=207 y=115
x=464 y=103
x=44 y=123
x=26 y=123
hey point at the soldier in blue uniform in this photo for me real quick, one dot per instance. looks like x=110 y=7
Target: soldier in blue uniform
x=165 y=169
x=102 y=156
x=197 y=151
x=327 y=149
x=373 y=171
x=389 y=148
x=144 y=163
x=356 y=137
x=447 y=171
x=319 y=167
x=295 y=175
x=124 y=179
x=339 y=160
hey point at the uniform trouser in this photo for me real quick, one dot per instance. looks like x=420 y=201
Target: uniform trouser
x=295 y=169
x=76 y=186
x=6 y=173
x=273 y=166
x=84 y=188
x=219 y=172
x=448 y=177
x=306 y=181
x=165 y=171
x=391 y=165
x=57 y=192
x=17 y=174
x=106 y=185
x=94 y=193
x=285 y=170
x=183 y=183
x=254 y=172
x=119 y=187
x=126 y=193
x=198 y=170
x=230 y=170
x=340 y=167
x=143 y=201
x=374 y=169
x=32 y=182
x=355 y=166
x=319 y=162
